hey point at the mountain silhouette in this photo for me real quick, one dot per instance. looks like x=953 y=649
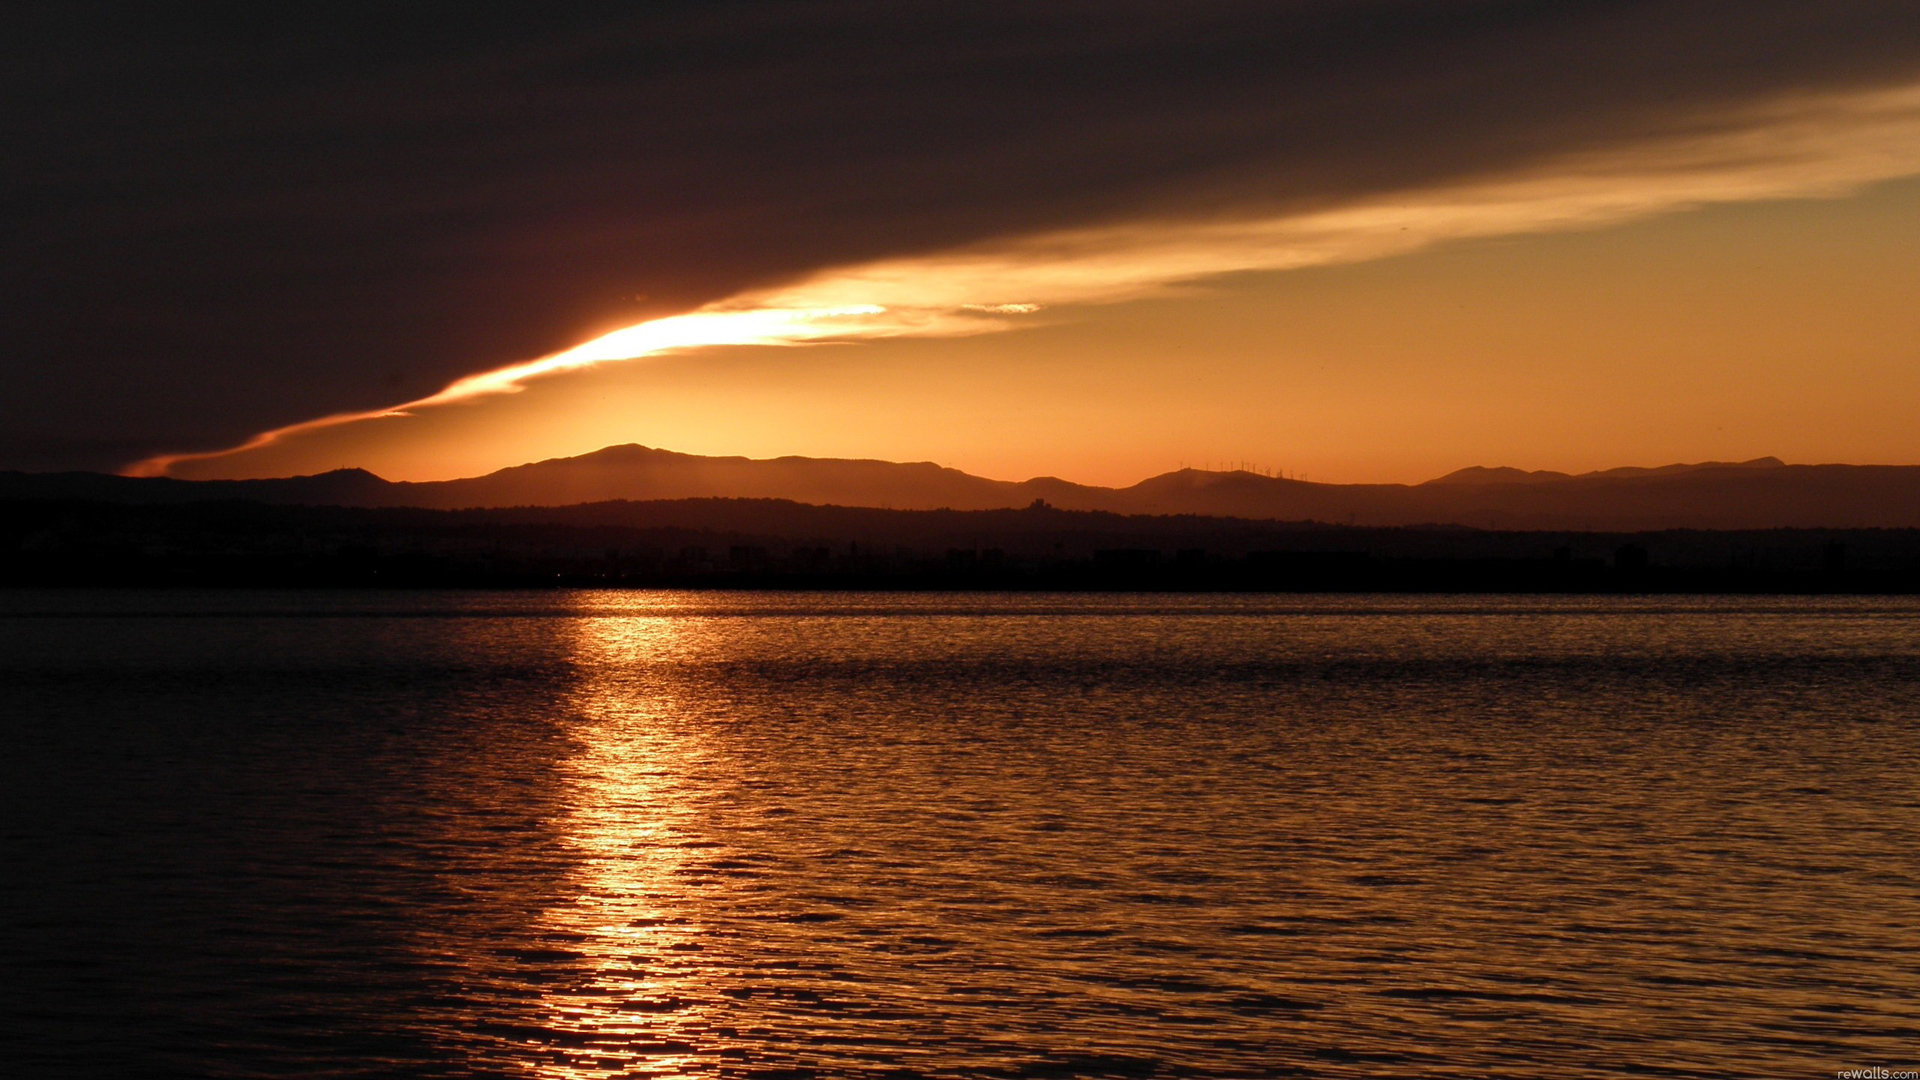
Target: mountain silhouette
x=1759 y=494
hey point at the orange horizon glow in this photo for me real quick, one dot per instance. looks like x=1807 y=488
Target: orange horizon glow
x=1823 y=146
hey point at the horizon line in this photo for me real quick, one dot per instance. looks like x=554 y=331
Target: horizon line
x=1239 y=467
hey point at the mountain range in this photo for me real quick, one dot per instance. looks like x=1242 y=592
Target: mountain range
x=1758 y=494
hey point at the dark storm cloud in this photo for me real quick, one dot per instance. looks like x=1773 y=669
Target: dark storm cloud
x=220 y=224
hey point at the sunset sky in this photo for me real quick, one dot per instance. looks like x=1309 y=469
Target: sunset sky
x=1347 y=241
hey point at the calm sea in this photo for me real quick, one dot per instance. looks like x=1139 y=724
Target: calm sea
x=593 y=834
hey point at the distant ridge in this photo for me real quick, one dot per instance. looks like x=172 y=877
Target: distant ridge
x=1759 y=494
x=1481 y=474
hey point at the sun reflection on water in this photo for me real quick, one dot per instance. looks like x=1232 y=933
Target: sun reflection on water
x=636 y=998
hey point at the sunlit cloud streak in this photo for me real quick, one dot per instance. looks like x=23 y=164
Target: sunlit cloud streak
x=1812 y=146
x=699 y=329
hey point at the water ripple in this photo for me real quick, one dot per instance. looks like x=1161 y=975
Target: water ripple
x=712 y=835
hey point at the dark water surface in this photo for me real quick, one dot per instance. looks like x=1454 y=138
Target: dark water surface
x=588 y=834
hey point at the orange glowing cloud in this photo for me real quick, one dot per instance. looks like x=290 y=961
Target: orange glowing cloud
x=1807 y=146
x=706 y=328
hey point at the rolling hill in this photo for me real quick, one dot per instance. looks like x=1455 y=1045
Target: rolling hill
x=1759 y=494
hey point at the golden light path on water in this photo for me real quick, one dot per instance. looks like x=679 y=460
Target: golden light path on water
x=637 y=998
x=1802 y=146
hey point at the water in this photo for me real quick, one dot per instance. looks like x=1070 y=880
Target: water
x=591 y=834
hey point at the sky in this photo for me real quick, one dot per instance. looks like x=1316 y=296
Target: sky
x=1351 y=241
